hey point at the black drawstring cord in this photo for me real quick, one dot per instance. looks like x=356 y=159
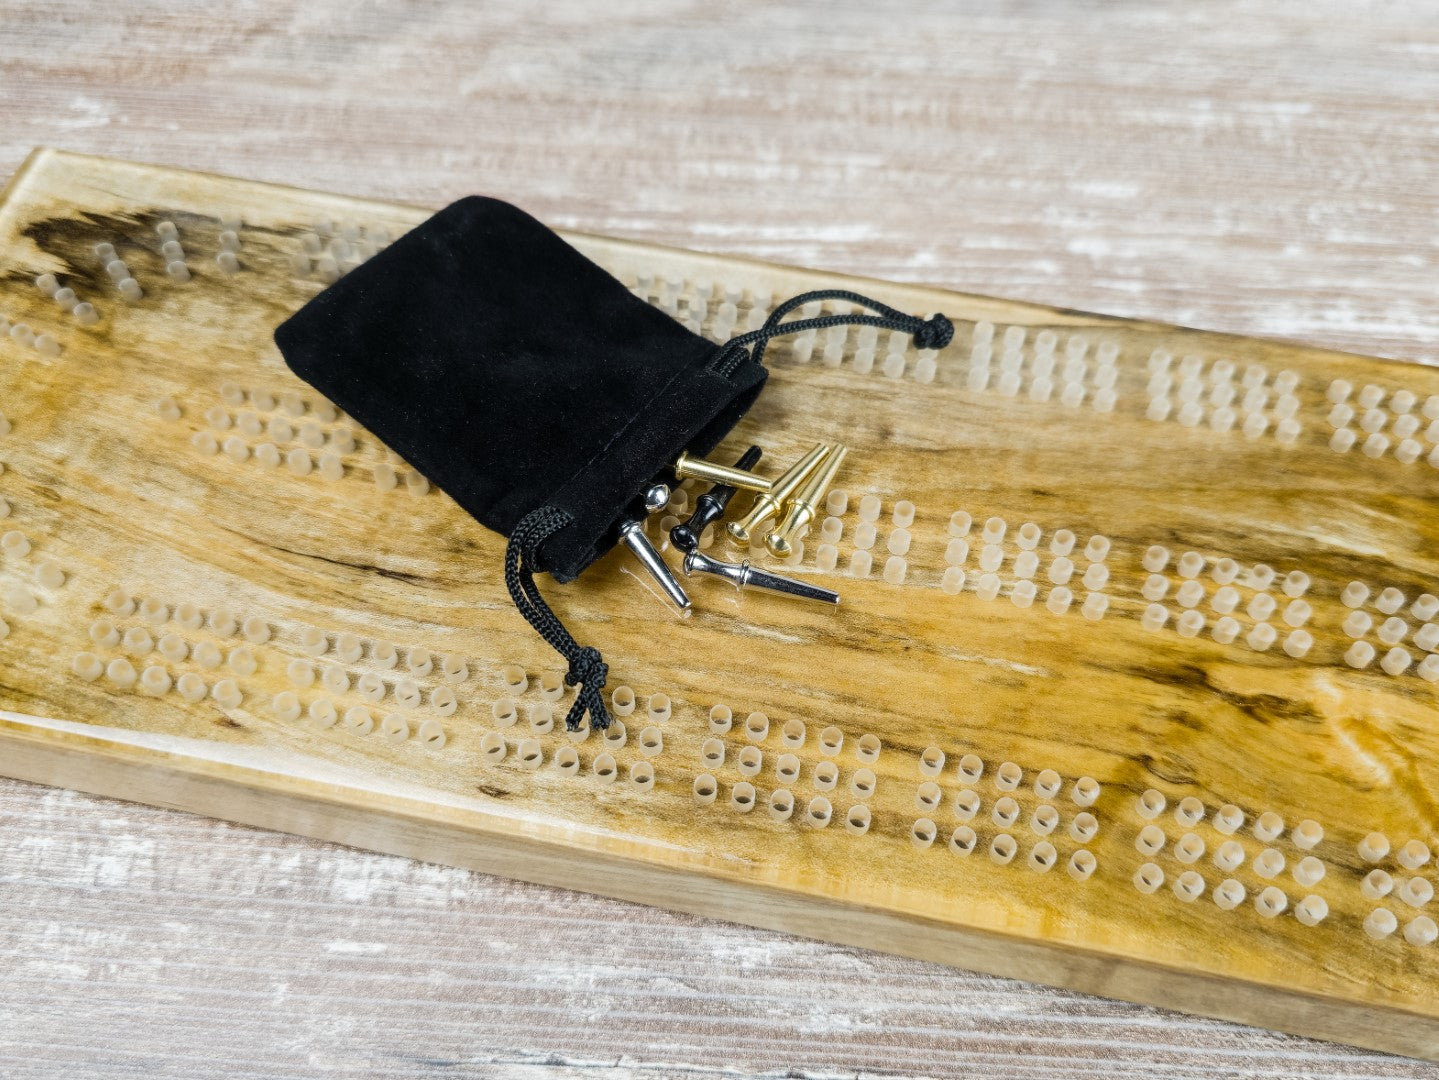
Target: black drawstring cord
x=587 y=667
x=934 y=332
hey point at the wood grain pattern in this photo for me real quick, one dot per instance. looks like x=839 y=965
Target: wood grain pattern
x=254 y=560
x=1094 y=121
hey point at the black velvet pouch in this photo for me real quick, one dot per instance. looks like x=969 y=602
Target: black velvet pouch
x=515 y=373
x=532 y=387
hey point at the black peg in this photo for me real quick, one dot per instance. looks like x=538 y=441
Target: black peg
x=710 y=507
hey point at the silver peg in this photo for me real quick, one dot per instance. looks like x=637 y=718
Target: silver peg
x=632 y=535
x=744 y=576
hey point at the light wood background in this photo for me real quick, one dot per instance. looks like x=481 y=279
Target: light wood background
x=1236 y=167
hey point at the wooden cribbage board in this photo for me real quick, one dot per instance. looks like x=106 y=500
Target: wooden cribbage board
x=167 y=477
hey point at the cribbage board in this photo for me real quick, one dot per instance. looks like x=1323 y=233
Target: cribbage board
x=1132 y=688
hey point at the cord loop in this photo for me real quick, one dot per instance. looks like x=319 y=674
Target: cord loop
x=934 y=332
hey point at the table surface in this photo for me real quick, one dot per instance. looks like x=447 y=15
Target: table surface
x=1240 y=166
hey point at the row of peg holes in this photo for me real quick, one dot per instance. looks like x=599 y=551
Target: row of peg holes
x=1008 y=776
x=1003 y=847
x=542 y=722
x=1006 y=812
x=531 y=755
x=1270 y=901
x=1228 y=819
x=963 y=840
x=750 y=760
x=552 y=688
x=780 y=803
x=350 y=648
x=1229 y=856
x=357 y=720
x=793 y=734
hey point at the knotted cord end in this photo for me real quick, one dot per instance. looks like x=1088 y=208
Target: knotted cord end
x=587 y=667
x=589 y=672
x=934 y=332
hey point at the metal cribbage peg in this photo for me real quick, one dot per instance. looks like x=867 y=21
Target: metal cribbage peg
x=745 y=576
x=710 y=507
x=632 y=535
x=767 y=504
x=737 y=476
x=805 y=505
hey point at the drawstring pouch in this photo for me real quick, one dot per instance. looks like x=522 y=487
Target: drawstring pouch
x=535 y=389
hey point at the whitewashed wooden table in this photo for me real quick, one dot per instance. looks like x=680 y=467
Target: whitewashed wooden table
x=1252 y=167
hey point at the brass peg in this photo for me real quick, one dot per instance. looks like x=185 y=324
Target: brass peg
x=803 y=507
x=716 y=473
x=767 y=503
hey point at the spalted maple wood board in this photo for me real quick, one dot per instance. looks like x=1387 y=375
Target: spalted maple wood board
x=138 y=475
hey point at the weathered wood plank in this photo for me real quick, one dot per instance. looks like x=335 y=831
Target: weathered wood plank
x=292 y=956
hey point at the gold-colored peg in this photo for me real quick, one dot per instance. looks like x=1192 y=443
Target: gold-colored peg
x=715 y=473
x=767 y=503
x=804 y=506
